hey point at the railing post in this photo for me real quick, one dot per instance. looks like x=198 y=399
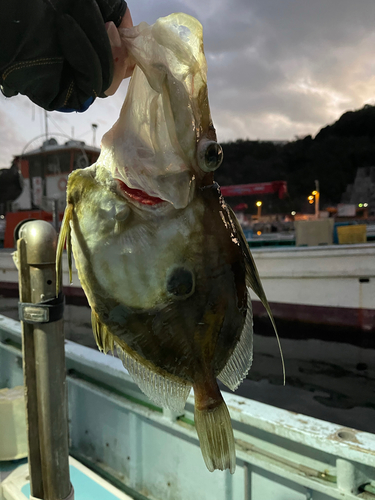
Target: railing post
x=43 y=363
x=349 y=476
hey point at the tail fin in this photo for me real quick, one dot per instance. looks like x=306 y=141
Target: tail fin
x=215 y=434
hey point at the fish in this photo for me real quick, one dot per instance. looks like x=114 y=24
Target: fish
x=160 y=256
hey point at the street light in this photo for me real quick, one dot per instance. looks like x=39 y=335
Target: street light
x=314 y=197
x=259 y=205
x=316 y=193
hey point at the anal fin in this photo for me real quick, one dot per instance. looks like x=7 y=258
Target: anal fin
x=163 y=389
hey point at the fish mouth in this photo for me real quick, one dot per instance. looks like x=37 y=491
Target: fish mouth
x=139 y=196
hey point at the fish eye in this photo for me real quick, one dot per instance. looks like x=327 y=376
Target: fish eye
x=180 y=282
x=210 y=155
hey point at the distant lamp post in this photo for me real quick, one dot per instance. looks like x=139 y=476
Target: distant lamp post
x=360 y=205
x=365 y=205
x=293 y=213
x=314 y=197
x=259 y=205
x=316 y=193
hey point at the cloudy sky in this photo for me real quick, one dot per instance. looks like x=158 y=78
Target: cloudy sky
x=277 y=69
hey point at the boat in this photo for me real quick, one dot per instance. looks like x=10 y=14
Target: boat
x=43 y=173
x=331 y=285
x=124 y=447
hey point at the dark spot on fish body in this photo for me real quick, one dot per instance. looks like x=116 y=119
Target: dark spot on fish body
x=180 y=282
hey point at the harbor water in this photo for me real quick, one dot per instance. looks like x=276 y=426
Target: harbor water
x=326 y=378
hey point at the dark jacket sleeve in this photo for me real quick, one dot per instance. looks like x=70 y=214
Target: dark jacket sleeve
x=57 y=52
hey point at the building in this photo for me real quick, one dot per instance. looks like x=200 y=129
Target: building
x=45 y=172
x=362 y=191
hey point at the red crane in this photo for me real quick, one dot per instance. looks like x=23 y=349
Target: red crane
x=279 y=187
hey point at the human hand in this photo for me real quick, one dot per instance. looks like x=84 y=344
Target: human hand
x=122 y=63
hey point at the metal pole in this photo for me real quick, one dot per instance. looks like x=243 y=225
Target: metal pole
x=44 y=364
x=28 y=357
x=317 y=196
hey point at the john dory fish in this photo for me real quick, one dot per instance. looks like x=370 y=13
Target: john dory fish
x=160 y=256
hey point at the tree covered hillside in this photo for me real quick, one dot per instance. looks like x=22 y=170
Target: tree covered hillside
x=332 y=157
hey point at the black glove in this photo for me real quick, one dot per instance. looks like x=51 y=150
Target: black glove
x=57 y=52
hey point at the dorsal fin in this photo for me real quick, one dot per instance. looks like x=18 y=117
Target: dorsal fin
x=253 y=279
x=65 y=235
x=240 y=361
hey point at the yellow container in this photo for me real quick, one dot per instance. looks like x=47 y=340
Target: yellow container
x=352 y=234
